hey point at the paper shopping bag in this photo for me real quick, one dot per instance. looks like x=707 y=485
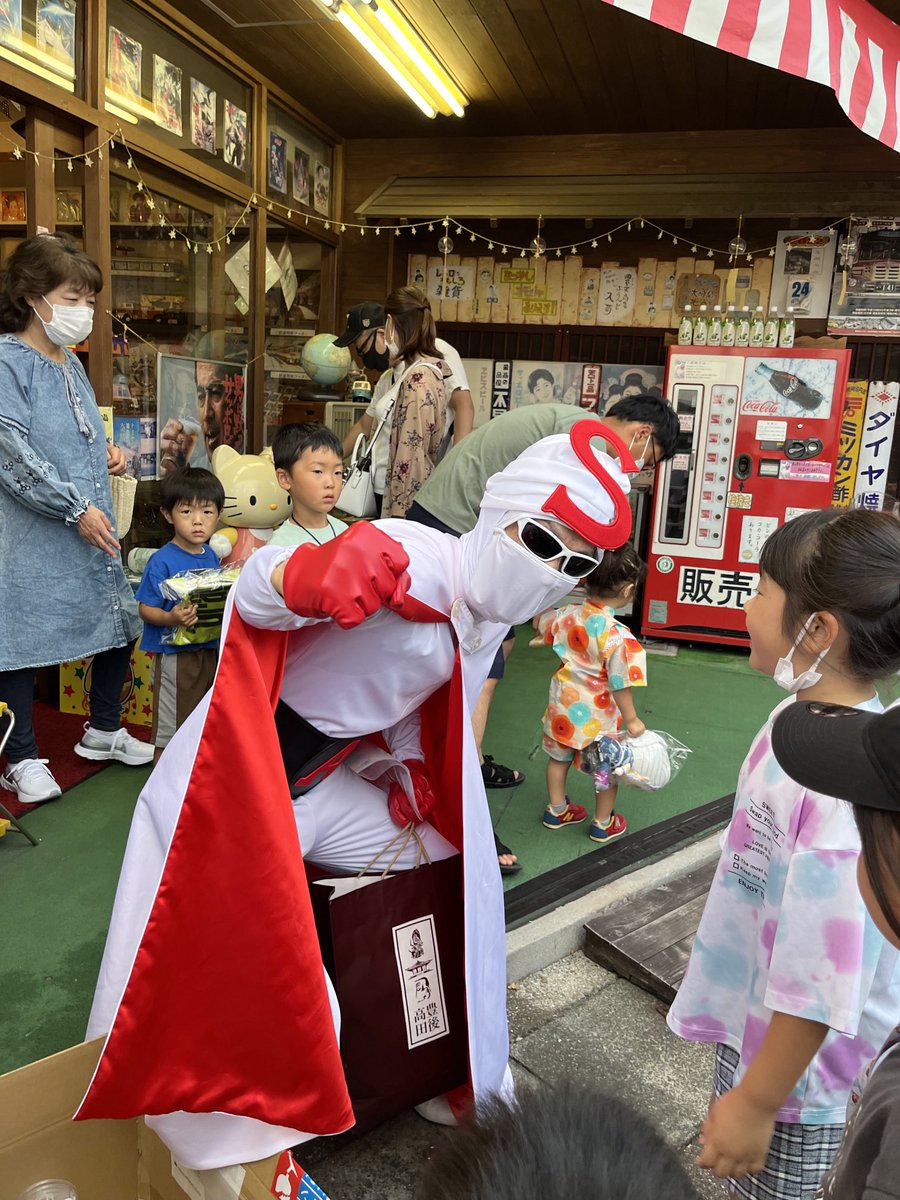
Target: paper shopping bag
x=393 y=947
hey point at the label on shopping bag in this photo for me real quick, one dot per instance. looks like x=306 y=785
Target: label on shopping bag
x=291 y=1182
x=419 y=968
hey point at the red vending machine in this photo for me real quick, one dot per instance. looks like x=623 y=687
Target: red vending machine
x=758 y=444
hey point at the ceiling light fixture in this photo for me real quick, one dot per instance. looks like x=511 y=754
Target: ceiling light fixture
x=384 y=33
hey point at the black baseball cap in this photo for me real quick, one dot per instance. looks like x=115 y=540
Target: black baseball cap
x=368 y=315
x=843 y=752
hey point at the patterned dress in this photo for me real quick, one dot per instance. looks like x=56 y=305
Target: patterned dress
x=417 y=431
x=600 y=656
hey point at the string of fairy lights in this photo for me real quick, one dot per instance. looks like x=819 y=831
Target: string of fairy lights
x=446 y=226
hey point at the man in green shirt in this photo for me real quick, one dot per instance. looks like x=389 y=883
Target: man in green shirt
x=450 y=497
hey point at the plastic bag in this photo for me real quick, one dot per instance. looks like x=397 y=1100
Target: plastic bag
x=648 y=762
x=208 y=589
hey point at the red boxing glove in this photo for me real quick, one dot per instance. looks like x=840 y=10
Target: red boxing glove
x=399 y=805
x=349 y=578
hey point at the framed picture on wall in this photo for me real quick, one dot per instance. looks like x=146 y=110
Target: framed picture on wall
x=277 y=163
x=323 y=188
x=55 y=29
x=301 y=176
x=124 y=66
x=201 y=406
x=167 y=94
x=12 y=208
x=235 y=136
x=203 y=116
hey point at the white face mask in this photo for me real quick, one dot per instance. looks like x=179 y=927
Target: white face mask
x=639 y=462
x=390 y=345
x=69 y=324
x=784 y=670
x=509 y=584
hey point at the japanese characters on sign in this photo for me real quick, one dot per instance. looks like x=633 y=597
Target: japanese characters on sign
x=713 y=588
x=875 y=449
x=848 y=447
x=421 y=985
x=502 y=381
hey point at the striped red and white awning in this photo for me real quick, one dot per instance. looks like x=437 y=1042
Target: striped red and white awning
x=848 y=45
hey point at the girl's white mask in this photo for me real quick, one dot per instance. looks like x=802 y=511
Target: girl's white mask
x=510 y=584
x=784 y=670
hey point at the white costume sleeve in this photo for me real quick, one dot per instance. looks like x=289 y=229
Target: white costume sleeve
x=256 y=599
x=405 y=738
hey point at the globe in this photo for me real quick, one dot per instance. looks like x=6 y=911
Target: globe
x=323 y=361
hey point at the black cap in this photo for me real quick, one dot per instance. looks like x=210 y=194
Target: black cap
x=368 y=315
x=843 y=752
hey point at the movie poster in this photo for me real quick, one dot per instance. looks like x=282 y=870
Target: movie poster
x=301 y=176
x=10 y=20
x=55 y=29
x=127 y=436
x=203 y=116
x=618 y=381
x=277 y=163
x=545 y=383
x=323 y=188
x=124 y=66
x=167 y=95
x=235 y=153
x=201 y=406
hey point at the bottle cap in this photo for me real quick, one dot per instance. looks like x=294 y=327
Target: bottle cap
x=688 y=307
x=717 y=308
x=703 y=308
x=759 y=308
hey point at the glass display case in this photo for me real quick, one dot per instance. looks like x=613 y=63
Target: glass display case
x=298 y=165
x=45 y=38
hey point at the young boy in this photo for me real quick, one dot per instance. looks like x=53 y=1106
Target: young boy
x=191 y=500
x=309 y=467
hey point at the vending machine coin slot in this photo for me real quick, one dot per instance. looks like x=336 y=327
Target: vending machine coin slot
x=802 y=447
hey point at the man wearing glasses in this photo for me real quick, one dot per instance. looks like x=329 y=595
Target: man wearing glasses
x=220 y=419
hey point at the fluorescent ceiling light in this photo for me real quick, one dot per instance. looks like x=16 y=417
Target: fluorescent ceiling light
x=119 y=112
x=57 y=74
x=351 y=22
x=394 y=25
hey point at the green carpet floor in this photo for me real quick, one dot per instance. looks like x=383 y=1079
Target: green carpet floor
x=56 y=897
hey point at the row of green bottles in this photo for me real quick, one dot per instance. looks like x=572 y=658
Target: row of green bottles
x=735 y=328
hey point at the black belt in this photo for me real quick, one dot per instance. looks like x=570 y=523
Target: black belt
x=309 y=755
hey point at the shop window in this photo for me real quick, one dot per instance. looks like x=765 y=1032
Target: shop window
x=293 y=279
x=298 y=166
x=178 y=297
x=163 y=84
x=45 y=38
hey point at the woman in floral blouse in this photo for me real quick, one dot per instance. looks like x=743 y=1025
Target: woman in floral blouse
x=419 y=417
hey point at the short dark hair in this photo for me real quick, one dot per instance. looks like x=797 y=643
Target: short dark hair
x=292 y=440
x=556 y=1143
x=537 y=375
x=846 y=563
x=879 y=833
x=190 y=485
x=653 y=411
x=38 y=266
x=616 y=569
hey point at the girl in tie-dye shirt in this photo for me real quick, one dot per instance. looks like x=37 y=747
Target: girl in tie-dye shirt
x=789 y=977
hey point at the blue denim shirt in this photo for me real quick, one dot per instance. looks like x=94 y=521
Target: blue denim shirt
x=60 y=598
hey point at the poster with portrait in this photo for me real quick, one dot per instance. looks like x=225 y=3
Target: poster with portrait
x=124 y=64
x=323 y=188
x=235 y=152
x=301 y=176
x=203 y=116
x=12 y=208
x=618 y=380
x=55 y=29
x=545 y=383
x=201 y=405
x=277 y=163
x=167 y=95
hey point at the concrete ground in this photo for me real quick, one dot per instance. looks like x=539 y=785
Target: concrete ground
x=568 y=1018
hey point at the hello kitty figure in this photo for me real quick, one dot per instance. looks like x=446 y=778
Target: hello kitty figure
x=255 y=503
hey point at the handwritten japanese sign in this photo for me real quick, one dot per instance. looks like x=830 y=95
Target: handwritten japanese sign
x=421 y=984
x=618 y=289
x=451 y=283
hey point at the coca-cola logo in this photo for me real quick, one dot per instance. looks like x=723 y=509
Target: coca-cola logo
x=764 y=407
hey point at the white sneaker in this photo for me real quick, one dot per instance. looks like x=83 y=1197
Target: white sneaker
x=437 y=1111
x=31 y=781
x=120 y=746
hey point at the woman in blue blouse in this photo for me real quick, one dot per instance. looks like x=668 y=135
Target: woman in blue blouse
x=63 y=593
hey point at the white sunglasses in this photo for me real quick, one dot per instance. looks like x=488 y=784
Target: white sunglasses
x=544 y=544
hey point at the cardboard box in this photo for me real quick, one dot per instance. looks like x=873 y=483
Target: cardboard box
x=105 y=1160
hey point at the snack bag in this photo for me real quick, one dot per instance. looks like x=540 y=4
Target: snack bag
x=208 y=589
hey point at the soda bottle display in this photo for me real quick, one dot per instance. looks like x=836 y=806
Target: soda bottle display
x=791 y=386
x=742 y=327
x=686 y=327
x=770 y=333
x=786 y=334
x=714 y=329
x=757 y=327
x=729 y=327
x=700 y=327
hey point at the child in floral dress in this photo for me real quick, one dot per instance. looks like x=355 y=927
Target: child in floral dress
x=590 y=694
